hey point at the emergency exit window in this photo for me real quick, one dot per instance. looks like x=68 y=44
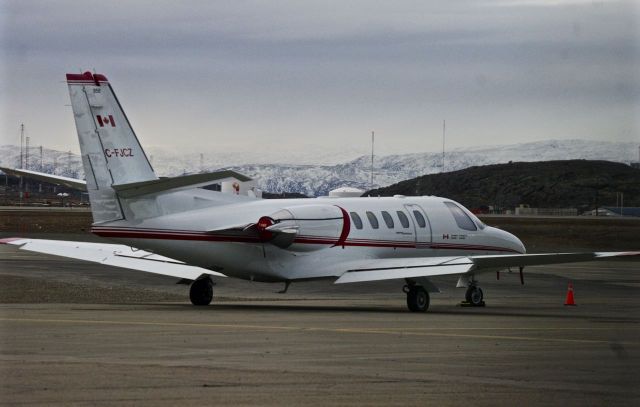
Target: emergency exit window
x=357 y=221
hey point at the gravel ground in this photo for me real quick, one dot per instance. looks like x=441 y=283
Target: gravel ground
x=16 y=289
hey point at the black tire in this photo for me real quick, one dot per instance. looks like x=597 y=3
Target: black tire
x=474 y=296
x=418 y=299
x=201 y=292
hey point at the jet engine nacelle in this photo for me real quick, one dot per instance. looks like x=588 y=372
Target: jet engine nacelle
x=305 y=227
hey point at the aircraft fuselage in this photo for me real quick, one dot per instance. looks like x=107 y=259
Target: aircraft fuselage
x=328 y=231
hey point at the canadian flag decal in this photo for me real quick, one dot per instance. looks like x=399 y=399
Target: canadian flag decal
x=105 y=120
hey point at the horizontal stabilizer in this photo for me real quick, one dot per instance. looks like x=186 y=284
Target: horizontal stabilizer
x=112 y=255
x=72 y=183
x=155 y=186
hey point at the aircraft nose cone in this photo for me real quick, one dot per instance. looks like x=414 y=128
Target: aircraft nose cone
x=512 y=242
x=517 y=244
x=509 y=240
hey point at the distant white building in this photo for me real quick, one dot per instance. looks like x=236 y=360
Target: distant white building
x=525 y=210
x=346 y=192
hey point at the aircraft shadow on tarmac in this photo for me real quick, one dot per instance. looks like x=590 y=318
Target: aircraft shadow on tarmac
x=495 y=311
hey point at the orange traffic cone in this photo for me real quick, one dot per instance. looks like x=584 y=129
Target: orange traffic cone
x=570 y=300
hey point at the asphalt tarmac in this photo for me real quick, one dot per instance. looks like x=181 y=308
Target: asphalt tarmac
x=74 y=333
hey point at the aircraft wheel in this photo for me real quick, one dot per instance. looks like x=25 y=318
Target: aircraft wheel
x=474 y=296
x=201 y=291
x=417 y=299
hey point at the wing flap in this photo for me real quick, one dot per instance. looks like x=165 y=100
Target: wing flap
x=399 y=273
x=400 y=268
x=112 y=255
x=522 y=260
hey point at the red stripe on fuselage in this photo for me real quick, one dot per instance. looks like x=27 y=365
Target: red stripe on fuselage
x=162 y=234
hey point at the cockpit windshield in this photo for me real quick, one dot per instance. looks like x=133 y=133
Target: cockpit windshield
x=464 y=220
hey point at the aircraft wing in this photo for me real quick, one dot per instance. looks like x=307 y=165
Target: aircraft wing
x=112 y=255
x=400 y=268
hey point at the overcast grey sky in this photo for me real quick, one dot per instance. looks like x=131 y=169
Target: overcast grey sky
x=288 y=74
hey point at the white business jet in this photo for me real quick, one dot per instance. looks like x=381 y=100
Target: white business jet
x=170 y=226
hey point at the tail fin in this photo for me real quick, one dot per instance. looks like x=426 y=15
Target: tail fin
x=111 y=152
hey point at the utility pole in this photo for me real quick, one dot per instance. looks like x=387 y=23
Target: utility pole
x=443 y=130
x=26 y=161
x=40 y=184
x=26 y=153
x=372 y=143
x=21 y=145
x=21 y=153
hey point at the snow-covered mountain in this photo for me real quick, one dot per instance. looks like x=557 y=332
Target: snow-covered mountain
x=319 y=179
x=54 y=162
x=316 y=180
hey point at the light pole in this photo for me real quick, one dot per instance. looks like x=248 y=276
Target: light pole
x=62 y=195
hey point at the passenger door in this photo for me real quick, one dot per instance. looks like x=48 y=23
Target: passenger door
x=421 y=225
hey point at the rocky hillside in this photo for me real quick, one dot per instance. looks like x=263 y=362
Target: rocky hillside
x=549 y=184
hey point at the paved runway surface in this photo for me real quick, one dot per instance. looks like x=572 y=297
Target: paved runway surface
x=84 y=334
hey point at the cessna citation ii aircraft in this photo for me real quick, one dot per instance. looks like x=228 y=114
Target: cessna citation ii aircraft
x=170 y=226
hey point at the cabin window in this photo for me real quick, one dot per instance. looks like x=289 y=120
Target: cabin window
x=462 y=219
x=404 y=221
x=387 y=219
x=356 y=220
x=419 y=218
x=373 y=220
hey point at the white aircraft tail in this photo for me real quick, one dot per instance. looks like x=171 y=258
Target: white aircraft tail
x=111 y=152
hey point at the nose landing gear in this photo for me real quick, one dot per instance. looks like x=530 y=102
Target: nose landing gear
x=474 y=296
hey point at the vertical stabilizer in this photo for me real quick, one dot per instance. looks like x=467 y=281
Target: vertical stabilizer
x=111 y=152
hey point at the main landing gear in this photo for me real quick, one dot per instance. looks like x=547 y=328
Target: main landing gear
x=417 y=297
x=201 y=291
